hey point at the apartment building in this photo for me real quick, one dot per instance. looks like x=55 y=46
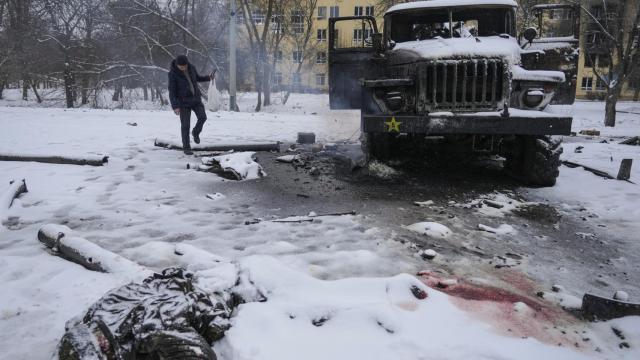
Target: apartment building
x=594 y=55
x=313 y=75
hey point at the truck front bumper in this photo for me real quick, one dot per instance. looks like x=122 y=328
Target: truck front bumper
x=519 y=122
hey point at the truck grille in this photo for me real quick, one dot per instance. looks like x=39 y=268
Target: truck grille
x=460 y=85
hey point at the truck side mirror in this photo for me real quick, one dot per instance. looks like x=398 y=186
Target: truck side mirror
x=530 y=34
x=377 y=42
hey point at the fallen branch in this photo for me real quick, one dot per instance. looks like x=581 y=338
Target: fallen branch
x=61 y=241
x=89 y=160
x=16 y=188
x=631 y=141
x=298 y=219
x=602 y=173
x=221 y=147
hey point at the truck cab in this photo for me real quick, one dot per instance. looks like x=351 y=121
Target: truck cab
x=458 y=71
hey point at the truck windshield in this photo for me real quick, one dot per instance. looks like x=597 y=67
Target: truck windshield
x=447 y=23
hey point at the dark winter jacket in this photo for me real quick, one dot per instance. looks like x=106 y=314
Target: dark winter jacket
x=180 y=93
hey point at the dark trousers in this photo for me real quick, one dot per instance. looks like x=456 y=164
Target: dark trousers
x=185 y=122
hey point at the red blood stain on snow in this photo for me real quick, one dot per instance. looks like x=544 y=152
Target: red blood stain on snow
x=518 y=313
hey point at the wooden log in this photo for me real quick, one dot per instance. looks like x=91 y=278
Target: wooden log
x=299 y=219
x=55 y=159
x=599 y=308
x=220 y=147
x=61 y=241
x=625 y=169
x=16 y=188
x=631 y=141
x=594 y=171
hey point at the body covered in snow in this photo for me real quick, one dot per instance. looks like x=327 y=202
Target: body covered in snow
x=462 y=59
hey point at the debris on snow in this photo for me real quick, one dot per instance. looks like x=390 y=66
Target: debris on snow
x=382 y=170
x=16 y=188
x=432 y=229
x=600 y=308
x=236 y=166
x=215 y=196
x=288 y=158
x=621 y=295
x=590 y=132
x=503 y=229
x=428 y=254
x=169 y=144
x=423 y=203
x=61 y=240
x=92 y=160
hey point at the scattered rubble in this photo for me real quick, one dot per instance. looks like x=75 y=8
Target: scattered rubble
x=431 y=229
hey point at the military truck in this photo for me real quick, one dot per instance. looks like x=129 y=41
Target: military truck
x=455 y=77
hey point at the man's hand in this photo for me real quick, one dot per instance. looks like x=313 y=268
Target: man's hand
x=176 y=111
x=213 y=75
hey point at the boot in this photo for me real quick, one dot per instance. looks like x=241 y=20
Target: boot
x=196 y=137
x=187 y=151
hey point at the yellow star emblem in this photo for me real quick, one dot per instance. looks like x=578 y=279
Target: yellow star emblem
x=393 y=125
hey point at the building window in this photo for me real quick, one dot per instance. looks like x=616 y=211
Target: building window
x=334 y=11
x=297 y=21
x=278 y=56
x=297 y=57
x=369 y=11
x=597 y=11
x=320 y=79
x=296 y=80
x=587 y=83
x=277 y=78
x=600 y=85
x=360 y=36
x=276 y=24
x=588 y=61
x=322 y=12
x=322 y=34
x=358 y=11
x=321 y=57
x=258 y=16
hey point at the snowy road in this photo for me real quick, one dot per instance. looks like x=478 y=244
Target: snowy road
x=145 y=201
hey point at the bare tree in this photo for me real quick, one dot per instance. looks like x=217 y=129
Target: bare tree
x=616 y=30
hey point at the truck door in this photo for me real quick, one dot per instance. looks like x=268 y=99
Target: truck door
x=350 y=52
x=556 y=46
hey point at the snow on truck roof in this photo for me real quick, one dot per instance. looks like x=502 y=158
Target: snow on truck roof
x=449 y=3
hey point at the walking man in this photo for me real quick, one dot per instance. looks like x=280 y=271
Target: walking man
x=185 y=96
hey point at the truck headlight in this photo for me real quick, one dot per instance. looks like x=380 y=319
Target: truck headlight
x=533 y=98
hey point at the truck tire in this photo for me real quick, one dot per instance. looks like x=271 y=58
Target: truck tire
x=535 y=159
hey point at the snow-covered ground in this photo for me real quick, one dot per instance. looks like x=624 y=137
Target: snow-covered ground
x=336 y=288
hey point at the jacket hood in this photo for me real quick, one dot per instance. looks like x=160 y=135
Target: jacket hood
x=174 y=67
x=456 y=48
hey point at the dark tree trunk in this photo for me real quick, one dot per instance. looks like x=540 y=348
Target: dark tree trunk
x=117 y=93
x=35 y=91
x=68 y=84
x=160 y=97
x=613 y=94
x=3 y=83
x=85 y=90
x=636 y=94
x=145 y=92
x=25 y=89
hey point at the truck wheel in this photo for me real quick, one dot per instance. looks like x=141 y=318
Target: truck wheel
x=535 y=159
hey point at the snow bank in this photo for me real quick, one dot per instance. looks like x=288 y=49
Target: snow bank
x=363 y=318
